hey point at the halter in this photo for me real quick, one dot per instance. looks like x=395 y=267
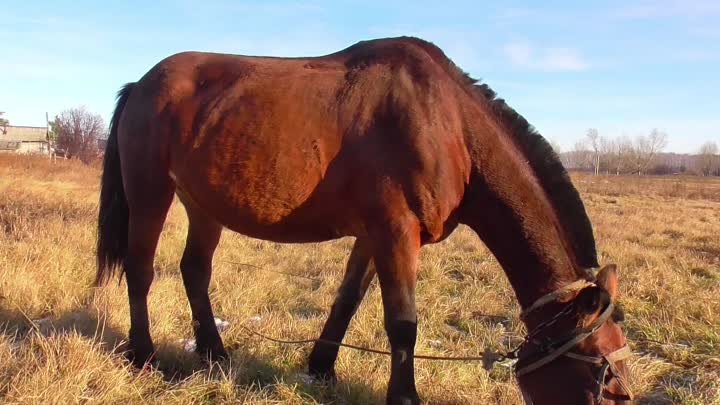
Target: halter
x=563 y=346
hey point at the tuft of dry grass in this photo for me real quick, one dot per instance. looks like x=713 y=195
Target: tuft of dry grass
x=61 y=340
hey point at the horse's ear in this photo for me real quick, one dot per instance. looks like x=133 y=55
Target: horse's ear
x=590 y=302
x=607 y=278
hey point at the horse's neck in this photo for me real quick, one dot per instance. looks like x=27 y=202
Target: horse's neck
x=509 y=210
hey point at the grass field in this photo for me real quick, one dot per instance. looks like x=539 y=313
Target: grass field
x=60 y=339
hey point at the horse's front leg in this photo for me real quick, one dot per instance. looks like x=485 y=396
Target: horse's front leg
x=396 y=254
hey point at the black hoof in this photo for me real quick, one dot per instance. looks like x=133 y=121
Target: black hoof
x=325 y=376
x=141 y=351
x=404 y=399
x=216 y=353
x=141 y=358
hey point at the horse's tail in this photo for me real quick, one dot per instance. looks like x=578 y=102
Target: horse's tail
x=113 y=216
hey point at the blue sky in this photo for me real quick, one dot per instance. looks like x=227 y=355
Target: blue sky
x=623 y=67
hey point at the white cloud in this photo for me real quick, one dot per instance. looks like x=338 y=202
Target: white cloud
x=669 y=9
x=260 y=8
x=706 y=32
x=563 y=59
x=524 y=55
x=517 y=13
x=520 y=53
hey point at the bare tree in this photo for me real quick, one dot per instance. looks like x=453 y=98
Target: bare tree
x=647 y=147
x=77 y=131
x=708 y=159
x=626 y=155
x=593 y=140
x=579 y=157
x=608 y=154
x=555 y=145
x=3 y=123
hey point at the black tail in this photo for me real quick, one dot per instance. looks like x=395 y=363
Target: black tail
x=112 y=236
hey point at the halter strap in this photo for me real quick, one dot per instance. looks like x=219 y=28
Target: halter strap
x=605 y=362
x=608 y=362
x=565 y=347
x=586 y=359
x=619 y=354
x=556 y=295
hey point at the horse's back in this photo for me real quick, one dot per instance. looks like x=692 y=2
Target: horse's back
x=296 y=149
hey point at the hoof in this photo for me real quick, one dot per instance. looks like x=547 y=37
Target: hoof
x=324 y=376
x=405 y=399
x=141 y=351
x=214 y=354
x=141 y=358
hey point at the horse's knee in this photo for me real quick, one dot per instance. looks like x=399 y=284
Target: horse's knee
x=401 y=334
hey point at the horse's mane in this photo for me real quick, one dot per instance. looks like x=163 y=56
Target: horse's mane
x=550 y=173
x=542 y=158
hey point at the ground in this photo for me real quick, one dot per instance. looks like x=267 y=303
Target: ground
x=60 y=339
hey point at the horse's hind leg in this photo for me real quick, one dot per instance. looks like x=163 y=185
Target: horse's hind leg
x=196 y=267
x=358 y=276
x=147 y=214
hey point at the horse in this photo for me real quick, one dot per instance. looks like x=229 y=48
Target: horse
x=387 y=141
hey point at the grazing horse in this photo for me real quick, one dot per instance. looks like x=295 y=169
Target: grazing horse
x=387 y=141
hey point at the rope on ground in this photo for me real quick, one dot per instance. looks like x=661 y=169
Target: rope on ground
x=488 y=358
x=270 y=270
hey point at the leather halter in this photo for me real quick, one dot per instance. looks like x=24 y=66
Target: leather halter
x=563 y=347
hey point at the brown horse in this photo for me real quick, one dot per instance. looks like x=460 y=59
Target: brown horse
x=387 y=141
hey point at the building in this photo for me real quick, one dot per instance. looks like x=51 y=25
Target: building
x=19 y=139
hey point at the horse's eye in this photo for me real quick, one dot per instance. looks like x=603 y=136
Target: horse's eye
x=618 y=314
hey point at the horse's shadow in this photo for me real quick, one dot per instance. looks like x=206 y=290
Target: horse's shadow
x=245 y=368
x=82 y=321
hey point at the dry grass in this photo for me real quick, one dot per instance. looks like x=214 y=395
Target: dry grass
x=684 y=187
x=663 y=236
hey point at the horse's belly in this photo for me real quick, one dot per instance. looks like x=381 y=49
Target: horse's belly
x=279 y=201
x=277 y=219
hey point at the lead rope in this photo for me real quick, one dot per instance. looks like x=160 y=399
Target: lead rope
x=489 y=358
x=601 y=382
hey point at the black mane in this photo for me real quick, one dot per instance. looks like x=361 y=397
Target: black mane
x=550 y=173
x=542 y=158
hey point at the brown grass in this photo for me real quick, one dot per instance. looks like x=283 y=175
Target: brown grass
x=685 y=187
x=662 y=233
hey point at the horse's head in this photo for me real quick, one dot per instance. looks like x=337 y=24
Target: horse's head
x=576 y=354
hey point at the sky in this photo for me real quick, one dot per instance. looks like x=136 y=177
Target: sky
x=622 y=67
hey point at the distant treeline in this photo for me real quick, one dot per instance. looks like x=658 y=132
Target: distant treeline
x=640 y=155
x=664 y=163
